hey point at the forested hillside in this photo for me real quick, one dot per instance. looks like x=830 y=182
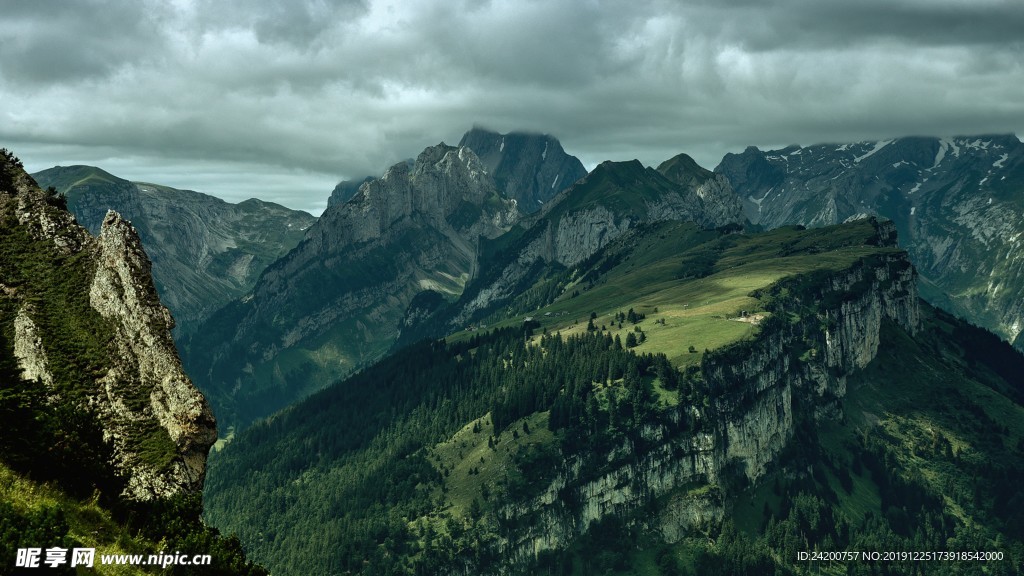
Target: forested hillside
x=686 y=402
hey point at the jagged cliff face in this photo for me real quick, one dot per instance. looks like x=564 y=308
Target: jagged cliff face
x=205 y=252
x=105 y=346
x=617 y=196
x=759 y=385
x=337 y=300
x=345 y=190
x=528 y=168
x=611 y=200
x=720 y=205
x=955 y=201
x=123 y=293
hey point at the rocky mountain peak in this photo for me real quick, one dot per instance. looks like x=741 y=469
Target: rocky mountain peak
x=620 y=172
x=439 y=187
x=417 y=228
x=684 y=170
x=122 y=291
x=528 y=168
x=721 y=205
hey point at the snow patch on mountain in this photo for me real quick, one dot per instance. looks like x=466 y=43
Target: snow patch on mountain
x=878 y=146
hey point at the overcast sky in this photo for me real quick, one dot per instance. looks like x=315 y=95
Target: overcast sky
x=280 y=99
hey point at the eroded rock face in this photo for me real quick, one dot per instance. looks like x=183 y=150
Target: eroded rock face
x=28 y=349
x=744 y=428
x=122 y=291
x=582 y=233
x=340 y=297
x=157 y=423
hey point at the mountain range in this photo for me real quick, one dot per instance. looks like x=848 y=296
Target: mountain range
x=713 y=403
x=629 y=373
x=528 y=264
x=384 y=287
x=956 y=203
x=205 y=252
x=649 y=370
x=334 y=303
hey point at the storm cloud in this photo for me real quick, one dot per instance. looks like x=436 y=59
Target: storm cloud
x=280 y=99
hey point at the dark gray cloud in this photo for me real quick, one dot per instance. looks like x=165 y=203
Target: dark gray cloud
x=72 y=41
x=279 y=99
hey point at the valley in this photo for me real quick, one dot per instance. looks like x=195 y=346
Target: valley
x=581 y=435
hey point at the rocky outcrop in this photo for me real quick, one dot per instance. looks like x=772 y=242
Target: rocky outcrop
x=123 y=293
x=702 y=510
x=28 y=349
x=528 y=168
x=205 y=251
x=130 y=378
x=955 y=201
x=755 y=387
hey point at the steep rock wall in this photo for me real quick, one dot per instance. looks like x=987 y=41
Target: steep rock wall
x=122 y=292
x=750 y=417
x=337 y=300
x=156 y=423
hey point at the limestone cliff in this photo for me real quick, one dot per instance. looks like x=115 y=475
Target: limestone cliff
x=88 y=325
x=757 y=386
x=123 y=293
x=336 y=302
